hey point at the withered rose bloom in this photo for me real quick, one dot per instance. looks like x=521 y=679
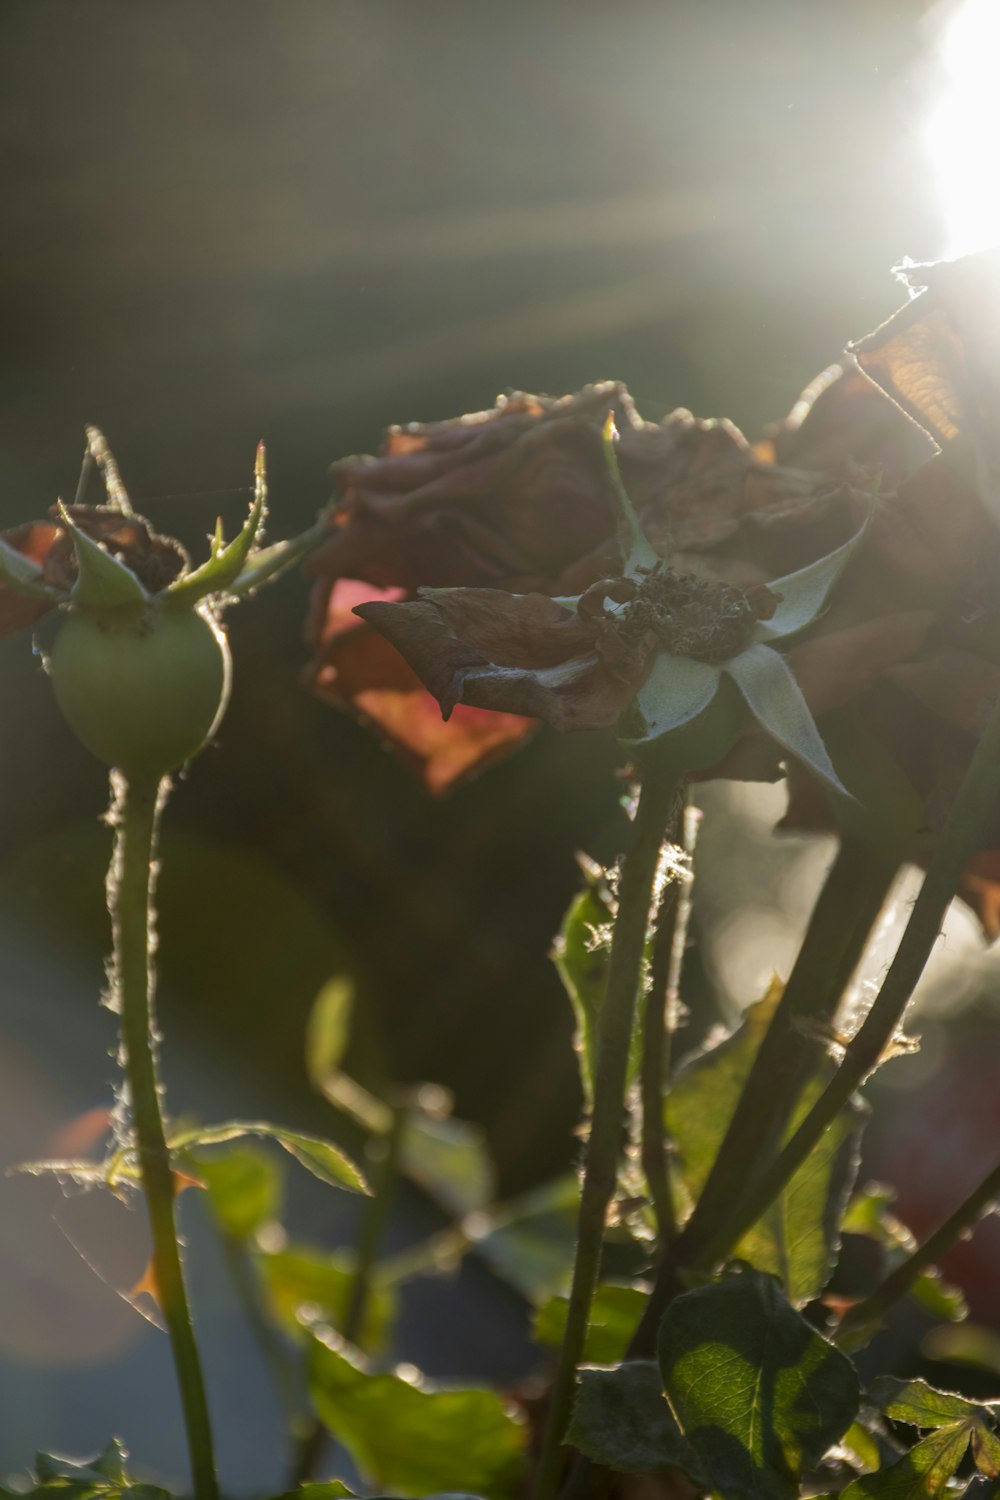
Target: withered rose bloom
x=518 y=500
x=512 y=508
x=155 y=560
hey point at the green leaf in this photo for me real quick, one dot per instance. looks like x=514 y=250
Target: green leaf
x=986 y=1450
x=529 y=1243
x=413 y=1436
x=226 y=561
x=102 y=581
x=862 y=1448
x=918 y=1403
x=921 y=1474
x=101 y=1478
x=331 y=1489
x=320 y=1157
x=302 y=1284
x=804 y=594
x=354 y=1100
x=580 y=954
x=24 y=575
x=621 y=1419
x=758 y=1394
x=109 y=1466
x=614 y=1316
x=776 y=702
x=244 y=1188
x=449 y=1159
x=328 y=1029
x=968 y=1344
x=798 y=1238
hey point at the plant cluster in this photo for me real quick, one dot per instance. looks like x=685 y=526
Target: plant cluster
x=819 y=605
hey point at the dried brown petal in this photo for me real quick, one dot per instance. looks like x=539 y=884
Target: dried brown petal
x=17 y=610
x=520 y=653
x=359 y=670
x=155 y=560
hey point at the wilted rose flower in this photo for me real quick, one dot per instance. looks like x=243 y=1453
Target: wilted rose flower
x=516 y=503
x=519 y=499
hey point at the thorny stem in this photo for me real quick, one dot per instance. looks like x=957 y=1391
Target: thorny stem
x=135 y=813
x=659 y=1025
x=865 y=1316
x=635 y=898
x=359 y=1294
x=846 y=910
x=956 y=844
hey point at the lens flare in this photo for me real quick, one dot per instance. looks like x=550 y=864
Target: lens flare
x=963 y=130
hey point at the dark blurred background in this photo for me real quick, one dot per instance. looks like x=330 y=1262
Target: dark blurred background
x=301 y=220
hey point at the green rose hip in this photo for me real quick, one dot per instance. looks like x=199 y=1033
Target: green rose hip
x=144 y=690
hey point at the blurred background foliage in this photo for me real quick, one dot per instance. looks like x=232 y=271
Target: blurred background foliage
x=301 y=220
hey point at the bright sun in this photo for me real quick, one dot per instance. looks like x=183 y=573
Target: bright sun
x=963 y=131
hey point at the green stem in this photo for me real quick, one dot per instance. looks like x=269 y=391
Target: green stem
x=373 y=1224
x=654 y=1070
x=604 y=1142
x=865 y=1316
x=841 y=924
x=373 y=1227
x=659 y=1025
x=957 y=842
x=135 y=813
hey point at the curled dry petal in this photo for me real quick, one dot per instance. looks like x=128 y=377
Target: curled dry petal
x=517 y=492
x=362 y=671
x=939 y=359
x=520 y=653
x=937 y=356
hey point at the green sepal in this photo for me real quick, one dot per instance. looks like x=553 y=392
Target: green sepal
x=269 y=563
x=706 y=724
x=621 y=1420
x=102 y=581
x=638 y=557
x=776 y=702
x=803 y=594
x=676 y=691
x=227 y=561
x=24 y=575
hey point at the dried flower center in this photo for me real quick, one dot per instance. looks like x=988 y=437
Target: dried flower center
x=680 y=613
x=155 y=560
